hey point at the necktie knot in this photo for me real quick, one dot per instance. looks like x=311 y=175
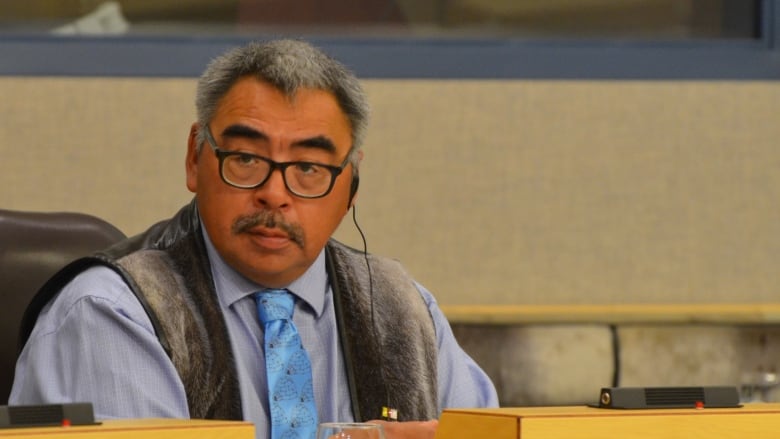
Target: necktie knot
x=274 y=304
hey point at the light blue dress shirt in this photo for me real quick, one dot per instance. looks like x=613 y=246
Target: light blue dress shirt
x=95 y=343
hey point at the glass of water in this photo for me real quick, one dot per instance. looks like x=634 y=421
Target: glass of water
x=350 y=430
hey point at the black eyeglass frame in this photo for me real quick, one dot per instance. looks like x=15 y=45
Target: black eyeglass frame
x=221 y=154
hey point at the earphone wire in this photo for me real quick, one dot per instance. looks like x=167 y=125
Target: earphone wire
x=387 y=412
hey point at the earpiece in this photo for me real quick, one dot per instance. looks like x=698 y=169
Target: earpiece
x=353 y=188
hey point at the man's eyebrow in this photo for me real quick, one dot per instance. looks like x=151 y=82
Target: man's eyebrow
x=318 y=142
x=239 y=130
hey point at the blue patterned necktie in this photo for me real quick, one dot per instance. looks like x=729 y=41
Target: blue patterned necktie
x=290 y=392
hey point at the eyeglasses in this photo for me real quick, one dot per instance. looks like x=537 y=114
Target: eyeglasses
x=249 y=171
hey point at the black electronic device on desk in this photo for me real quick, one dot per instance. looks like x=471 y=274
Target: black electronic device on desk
x=668 y=397
x=47 y=415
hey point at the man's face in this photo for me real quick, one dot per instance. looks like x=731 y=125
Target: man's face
x=256 y=118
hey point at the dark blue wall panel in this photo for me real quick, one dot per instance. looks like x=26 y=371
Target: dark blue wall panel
x=419 y=58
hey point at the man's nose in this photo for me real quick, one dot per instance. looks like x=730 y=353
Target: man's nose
x=273 y=193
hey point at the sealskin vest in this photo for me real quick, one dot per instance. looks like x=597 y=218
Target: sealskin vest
x=390 y=364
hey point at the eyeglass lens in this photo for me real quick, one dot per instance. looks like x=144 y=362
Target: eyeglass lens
x=302 y=178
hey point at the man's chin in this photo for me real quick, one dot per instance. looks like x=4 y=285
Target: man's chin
x=274 y=268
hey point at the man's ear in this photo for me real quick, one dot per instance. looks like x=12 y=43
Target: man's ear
x=191 y=161
x=353 y=190
x=355 y=184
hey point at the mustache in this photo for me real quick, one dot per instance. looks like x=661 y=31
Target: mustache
x=271 y=220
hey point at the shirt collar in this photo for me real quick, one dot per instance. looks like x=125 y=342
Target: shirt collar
x=232 y=286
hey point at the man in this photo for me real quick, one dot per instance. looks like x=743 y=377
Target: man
x=166 y=323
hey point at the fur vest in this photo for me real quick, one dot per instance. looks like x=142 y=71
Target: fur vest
x=167 y=268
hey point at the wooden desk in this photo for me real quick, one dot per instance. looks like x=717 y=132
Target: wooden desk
x=754 y=421
x=736 y=313
x=140 y=428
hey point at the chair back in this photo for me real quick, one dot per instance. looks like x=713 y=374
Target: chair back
x=34 y=246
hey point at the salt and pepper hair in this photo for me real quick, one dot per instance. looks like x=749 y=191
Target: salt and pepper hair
x=288 y=65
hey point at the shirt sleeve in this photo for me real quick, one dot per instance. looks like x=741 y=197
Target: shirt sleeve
x=462 y=383
x=95 y=343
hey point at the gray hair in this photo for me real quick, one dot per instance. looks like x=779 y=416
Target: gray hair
x=287 y=65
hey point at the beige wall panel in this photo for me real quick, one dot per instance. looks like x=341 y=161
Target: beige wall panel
x=489 y=192
x=111 y=147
